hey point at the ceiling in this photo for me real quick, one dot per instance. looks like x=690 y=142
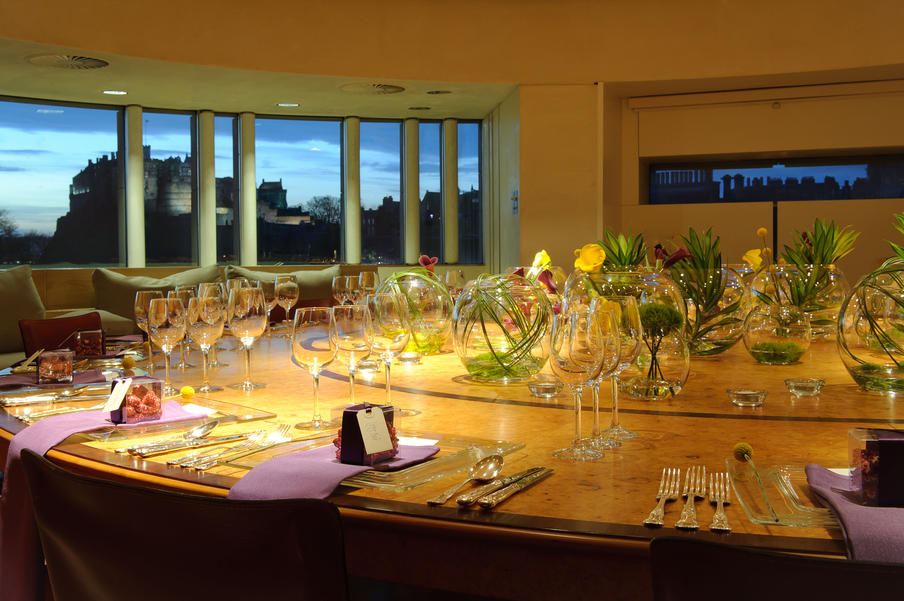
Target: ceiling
x=167 y=85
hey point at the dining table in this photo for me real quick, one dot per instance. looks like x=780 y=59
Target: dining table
x=577 y=534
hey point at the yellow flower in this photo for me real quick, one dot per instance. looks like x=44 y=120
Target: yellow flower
x=187 y=392
x=761 y=232
x=128 y=362
x=753 y=258
x=589 y=258
x=541 y=260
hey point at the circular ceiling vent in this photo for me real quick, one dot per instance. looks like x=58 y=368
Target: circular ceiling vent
x=372 y=88
x=68 y=61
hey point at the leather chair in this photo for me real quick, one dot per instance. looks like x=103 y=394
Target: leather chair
x=50 y=334
x=685 y=569
x=106 y=541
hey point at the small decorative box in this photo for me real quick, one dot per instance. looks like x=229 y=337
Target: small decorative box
x=55 y=367
x=877 y=465
x=351 y=444
x=142 y=401
x=89 y=343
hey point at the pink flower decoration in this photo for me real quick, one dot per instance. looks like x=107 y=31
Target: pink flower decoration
x=545 y=278
x=428 y=262
x=676 y=256
x=659 y=253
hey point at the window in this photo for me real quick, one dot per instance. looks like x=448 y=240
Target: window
x=170 y=202
x=299 y=194
x=836 y=178
x=60 y=185
x=431 y=199
x=227 y=193
x=381 y=192
x=470 y=204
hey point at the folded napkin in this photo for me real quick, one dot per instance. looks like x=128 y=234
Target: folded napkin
x=18 y=534
x=90 y=376
x=871 y=533
x=314 y=474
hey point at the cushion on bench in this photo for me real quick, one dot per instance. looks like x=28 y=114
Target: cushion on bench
x=115 y=292
x=20 y=300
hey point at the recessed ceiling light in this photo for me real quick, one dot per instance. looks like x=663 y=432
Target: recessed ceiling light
x=418 y=108
x=287 y=104
x=436 y=92
x=115 y=92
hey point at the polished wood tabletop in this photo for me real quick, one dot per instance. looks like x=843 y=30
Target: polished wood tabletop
x=579 y=531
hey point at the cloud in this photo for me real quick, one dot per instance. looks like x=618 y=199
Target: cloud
x=25 y=151
x=10 y=169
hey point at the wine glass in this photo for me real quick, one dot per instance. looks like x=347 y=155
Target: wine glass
x=206 y=316
x=352 y=335
x=143 y=300
x=454 y=281
x=369 y=281
x=247 y=321
x=312 y=348
x=353 y=289
x=215 y=290
x=631 y=333
x=184 y=294
x=609 y=367
x=166 y=327
x=391 y=327
x=582 y=341
x=286 y=293
x=269 y=289
x=340 y=293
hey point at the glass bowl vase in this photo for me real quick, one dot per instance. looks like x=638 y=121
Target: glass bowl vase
x=429 y=308
x=777 y=334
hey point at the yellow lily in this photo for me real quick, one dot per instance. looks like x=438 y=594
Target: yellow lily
x=753 y=257
x=589 y=258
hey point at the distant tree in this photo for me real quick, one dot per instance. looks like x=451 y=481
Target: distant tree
x=7 y=224
x=324 y=209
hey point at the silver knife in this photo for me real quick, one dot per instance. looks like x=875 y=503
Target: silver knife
x=494 y=499
x=471 y=497
x=157 y=449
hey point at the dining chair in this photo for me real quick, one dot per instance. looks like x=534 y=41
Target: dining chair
x=686 y=569
x=52 y=334
x=105 y=540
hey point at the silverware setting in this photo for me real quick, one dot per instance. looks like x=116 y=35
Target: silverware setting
x=720 y=494
x=483 y=471
x=174 y=442
x=669 y=490
x=33 y=417
x=493 y=499
x=696 y=486
x=255 y=442
x=496 y=490
x=33 y=397
x=475 y=495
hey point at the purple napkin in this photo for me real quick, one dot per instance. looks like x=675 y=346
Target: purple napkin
x=314 y=474
x=18 y=534
x=871 y=533
x=90 y=376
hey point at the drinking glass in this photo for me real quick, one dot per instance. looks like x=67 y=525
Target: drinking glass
x=166 y=327
x=269 y=290
x=184 y=294
x=143 y=300
x=353 y=289
x=454 y=281
x=631 y=334
x=582 y=341
x=369 y=281
x=247 y=321
x=206 y=316
x=312 y=348
x=389 y=313
x=340 y=293
x=286 y=294
x=215 y=290
x=352 y=335
x=609 y=367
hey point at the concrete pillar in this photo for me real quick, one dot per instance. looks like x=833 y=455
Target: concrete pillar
x=247 y=209
x=450 y=191
x=134 y=162
x=207 y=191
x=411 y=192
x=352 y=215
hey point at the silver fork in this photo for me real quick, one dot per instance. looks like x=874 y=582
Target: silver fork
x=277 y=436
x=720 y=494
x=694 y=488
x=669 y=490
x=192 y=458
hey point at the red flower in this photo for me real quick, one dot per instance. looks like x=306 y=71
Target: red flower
x=676 y=256
x=659 y=253
x=428 y=262
x=545 y=278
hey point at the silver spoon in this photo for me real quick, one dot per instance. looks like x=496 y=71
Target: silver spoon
x=199 y=431
x=483 y=471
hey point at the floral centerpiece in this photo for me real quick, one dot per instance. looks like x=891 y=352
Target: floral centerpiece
x=714 y=297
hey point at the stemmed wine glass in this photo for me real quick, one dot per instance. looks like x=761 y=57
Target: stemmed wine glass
x=631 y=333
x=607 y=370
x=391 y=326
x=353 y=289
x=454 y=281
x=340 y=289
x=184 y=294
x=352 y=335
x=215 y=290
x=286 y=293
x=166 y=327
x=269 y=290
x=143 y=300
x=368 y=281
x=582 y=341
x=312 y=348
x=206 y=316
x=247 y=321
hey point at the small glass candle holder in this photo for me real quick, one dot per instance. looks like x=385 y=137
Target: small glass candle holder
x=745 y=397
x=89 y=343
x=545 y=386
x=55 y=367
x=804 y=386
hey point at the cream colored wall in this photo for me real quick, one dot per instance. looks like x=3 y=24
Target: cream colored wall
x=507 y=164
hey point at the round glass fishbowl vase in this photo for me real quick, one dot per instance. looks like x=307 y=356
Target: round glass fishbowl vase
x=429 y=308
x=818 y=289
x=777 y=334
x=871 y=330
x=716 y=302
x=663 y=363
x=500 y=326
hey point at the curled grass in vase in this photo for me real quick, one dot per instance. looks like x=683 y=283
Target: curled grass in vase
x=776 y=353
x=698 y=273
x=429 y=330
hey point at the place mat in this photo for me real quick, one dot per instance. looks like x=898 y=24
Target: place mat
x=90 y=376
x=315 y=473
x=124 y=338
x=871 y=533
x=18 y=533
